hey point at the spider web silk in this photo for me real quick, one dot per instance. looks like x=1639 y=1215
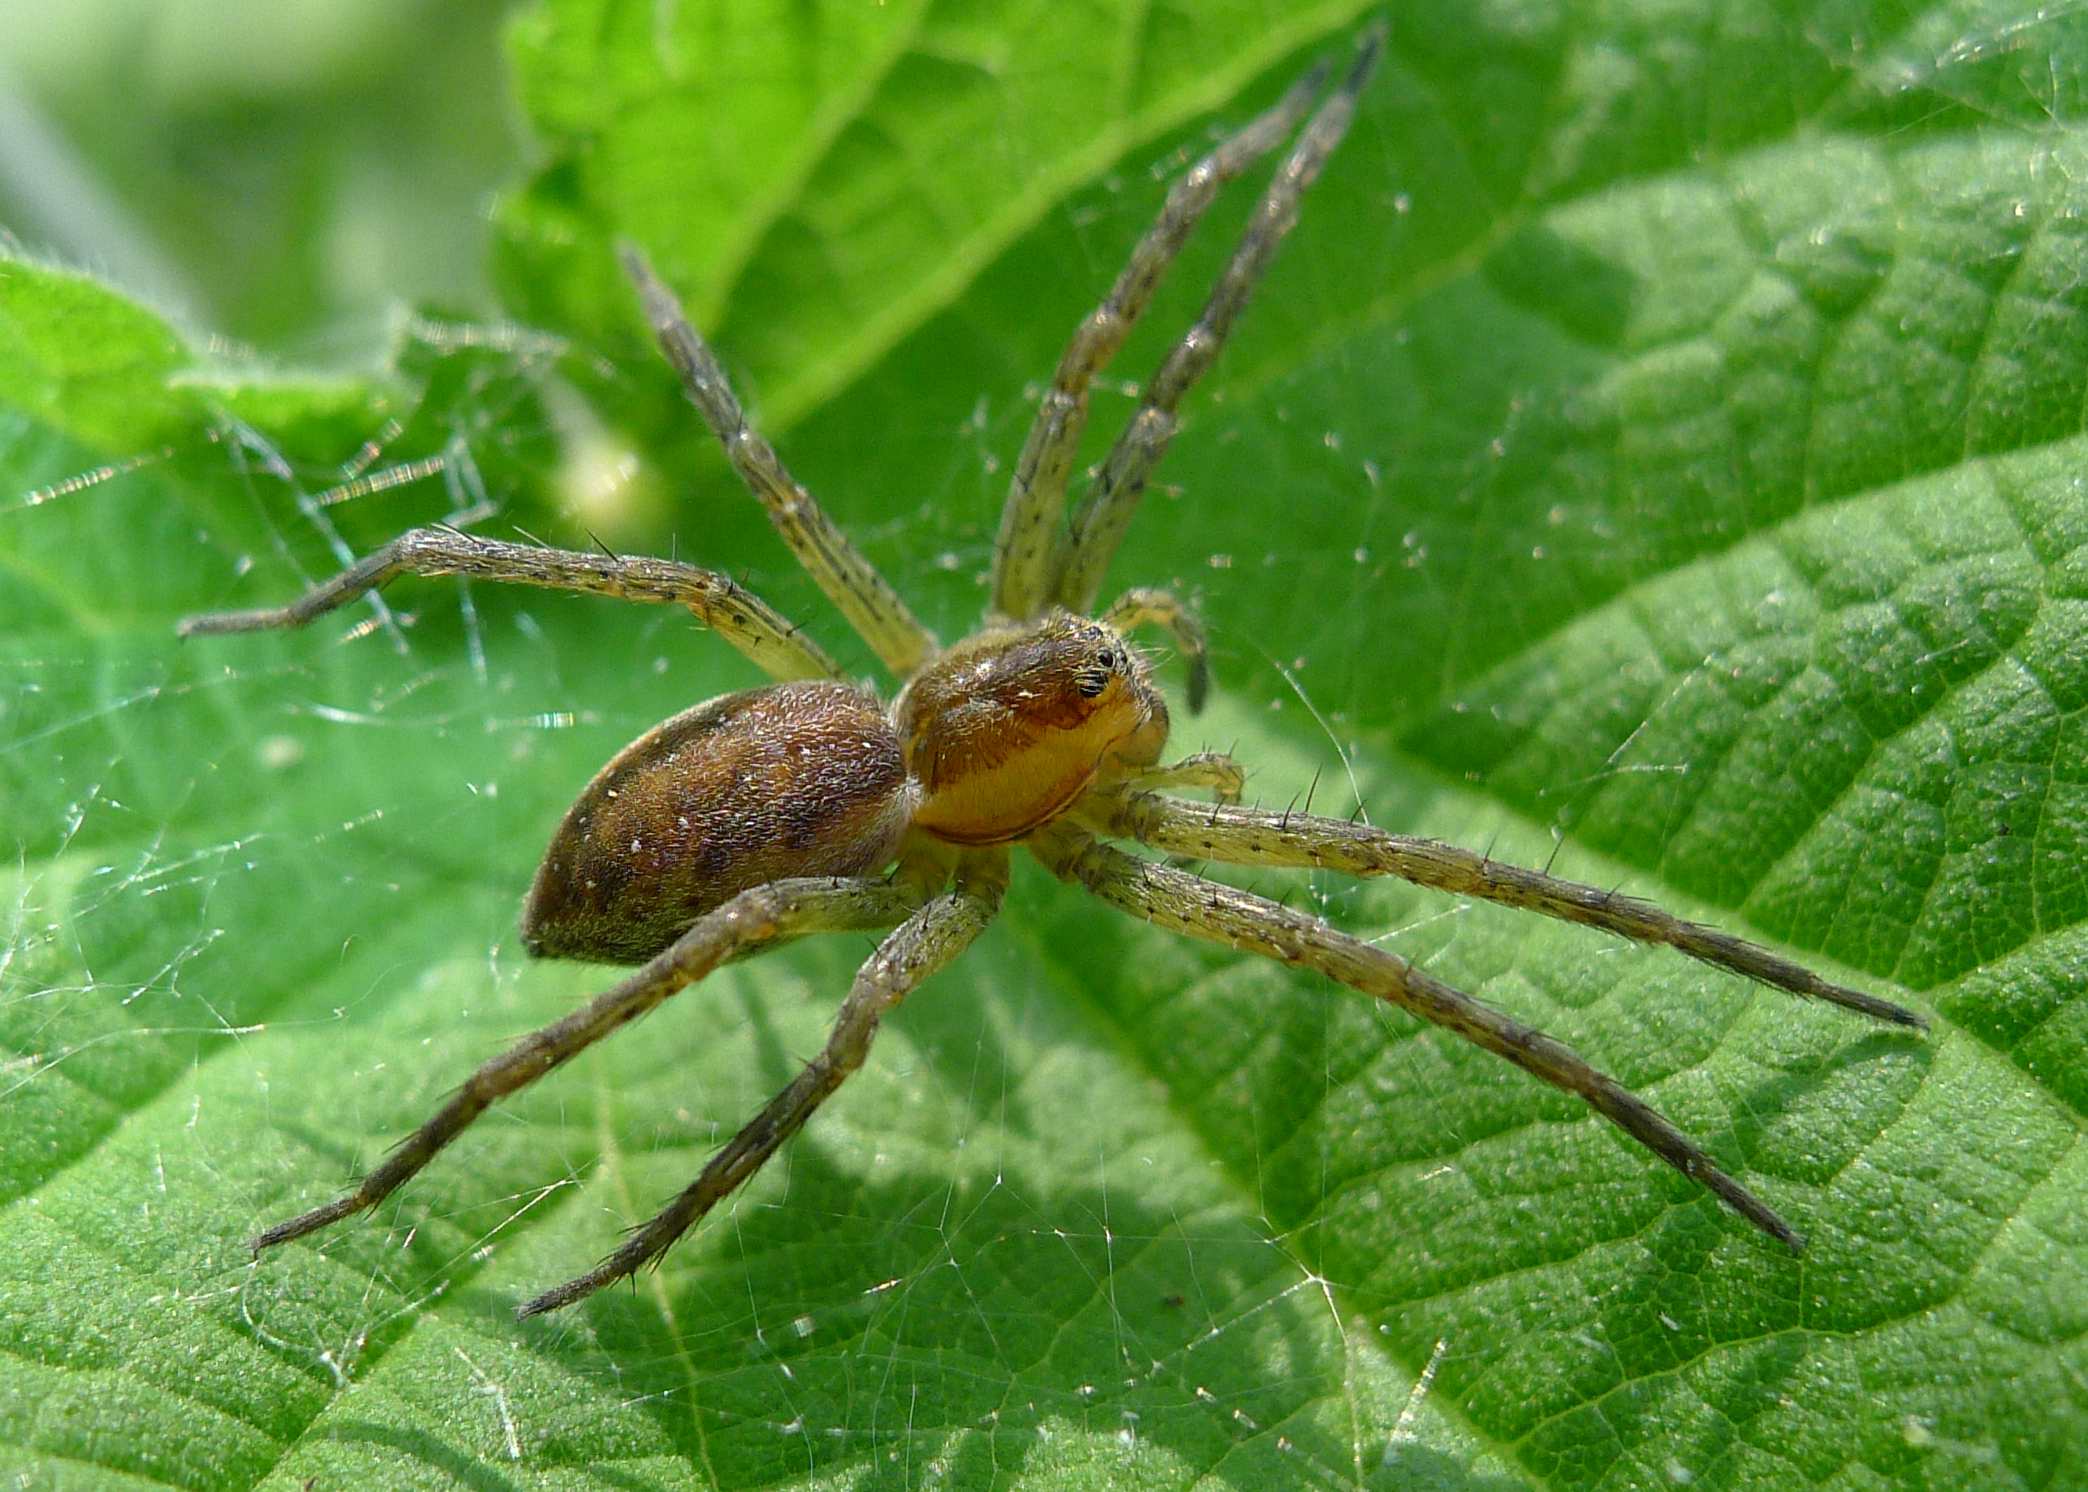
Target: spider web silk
x=306 y=961
x=1102 y=1205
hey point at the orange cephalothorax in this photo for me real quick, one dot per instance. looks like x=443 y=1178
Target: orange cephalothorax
x=800 y=779
x=1004 y=730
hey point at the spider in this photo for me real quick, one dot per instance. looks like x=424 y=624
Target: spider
x=808 y=805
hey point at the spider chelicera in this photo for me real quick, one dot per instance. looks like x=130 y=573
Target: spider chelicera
x=810 y=806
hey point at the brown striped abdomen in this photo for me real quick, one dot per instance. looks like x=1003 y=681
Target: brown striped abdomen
x=798 y=779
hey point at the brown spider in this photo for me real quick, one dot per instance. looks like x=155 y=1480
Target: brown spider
x=761 y=816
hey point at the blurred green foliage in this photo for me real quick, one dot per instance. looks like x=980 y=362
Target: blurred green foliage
x=278 y=173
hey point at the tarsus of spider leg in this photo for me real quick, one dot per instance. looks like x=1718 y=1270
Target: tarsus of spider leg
x=1239 y=919
x=1254 y=836
x=764 y=915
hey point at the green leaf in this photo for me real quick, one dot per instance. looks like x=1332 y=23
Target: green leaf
x=1656 y=453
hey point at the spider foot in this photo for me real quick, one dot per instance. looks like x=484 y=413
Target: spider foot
x=643 y=1249
x=309 y=1222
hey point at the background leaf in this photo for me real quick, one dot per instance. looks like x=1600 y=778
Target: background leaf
x=1657 y=451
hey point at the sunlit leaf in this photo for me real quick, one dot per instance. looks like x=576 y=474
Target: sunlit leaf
x=1657 y=453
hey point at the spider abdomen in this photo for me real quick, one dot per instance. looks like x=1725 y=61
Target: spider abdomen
x=797 y=779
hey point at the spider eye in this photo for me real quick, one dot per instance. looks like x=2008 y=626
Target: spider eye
x=1106 y=658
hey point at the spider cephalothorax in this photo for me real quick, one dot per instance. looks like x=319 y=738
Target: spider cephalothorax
x=1003 y=731
x=806 y=806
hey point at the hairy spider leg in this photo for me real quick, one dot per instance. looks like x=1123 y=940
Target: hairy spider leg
x=1238 y=919
x=1144 y=606
x=924 y=943
x=772 y=642
x=1259 y=836
x=850 y=581
x=751 y=922
x=1098 y=526
x=1031 y=518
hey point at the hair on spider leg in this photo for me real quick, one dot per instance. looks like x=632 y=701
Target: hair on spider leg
x=1558 y=847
